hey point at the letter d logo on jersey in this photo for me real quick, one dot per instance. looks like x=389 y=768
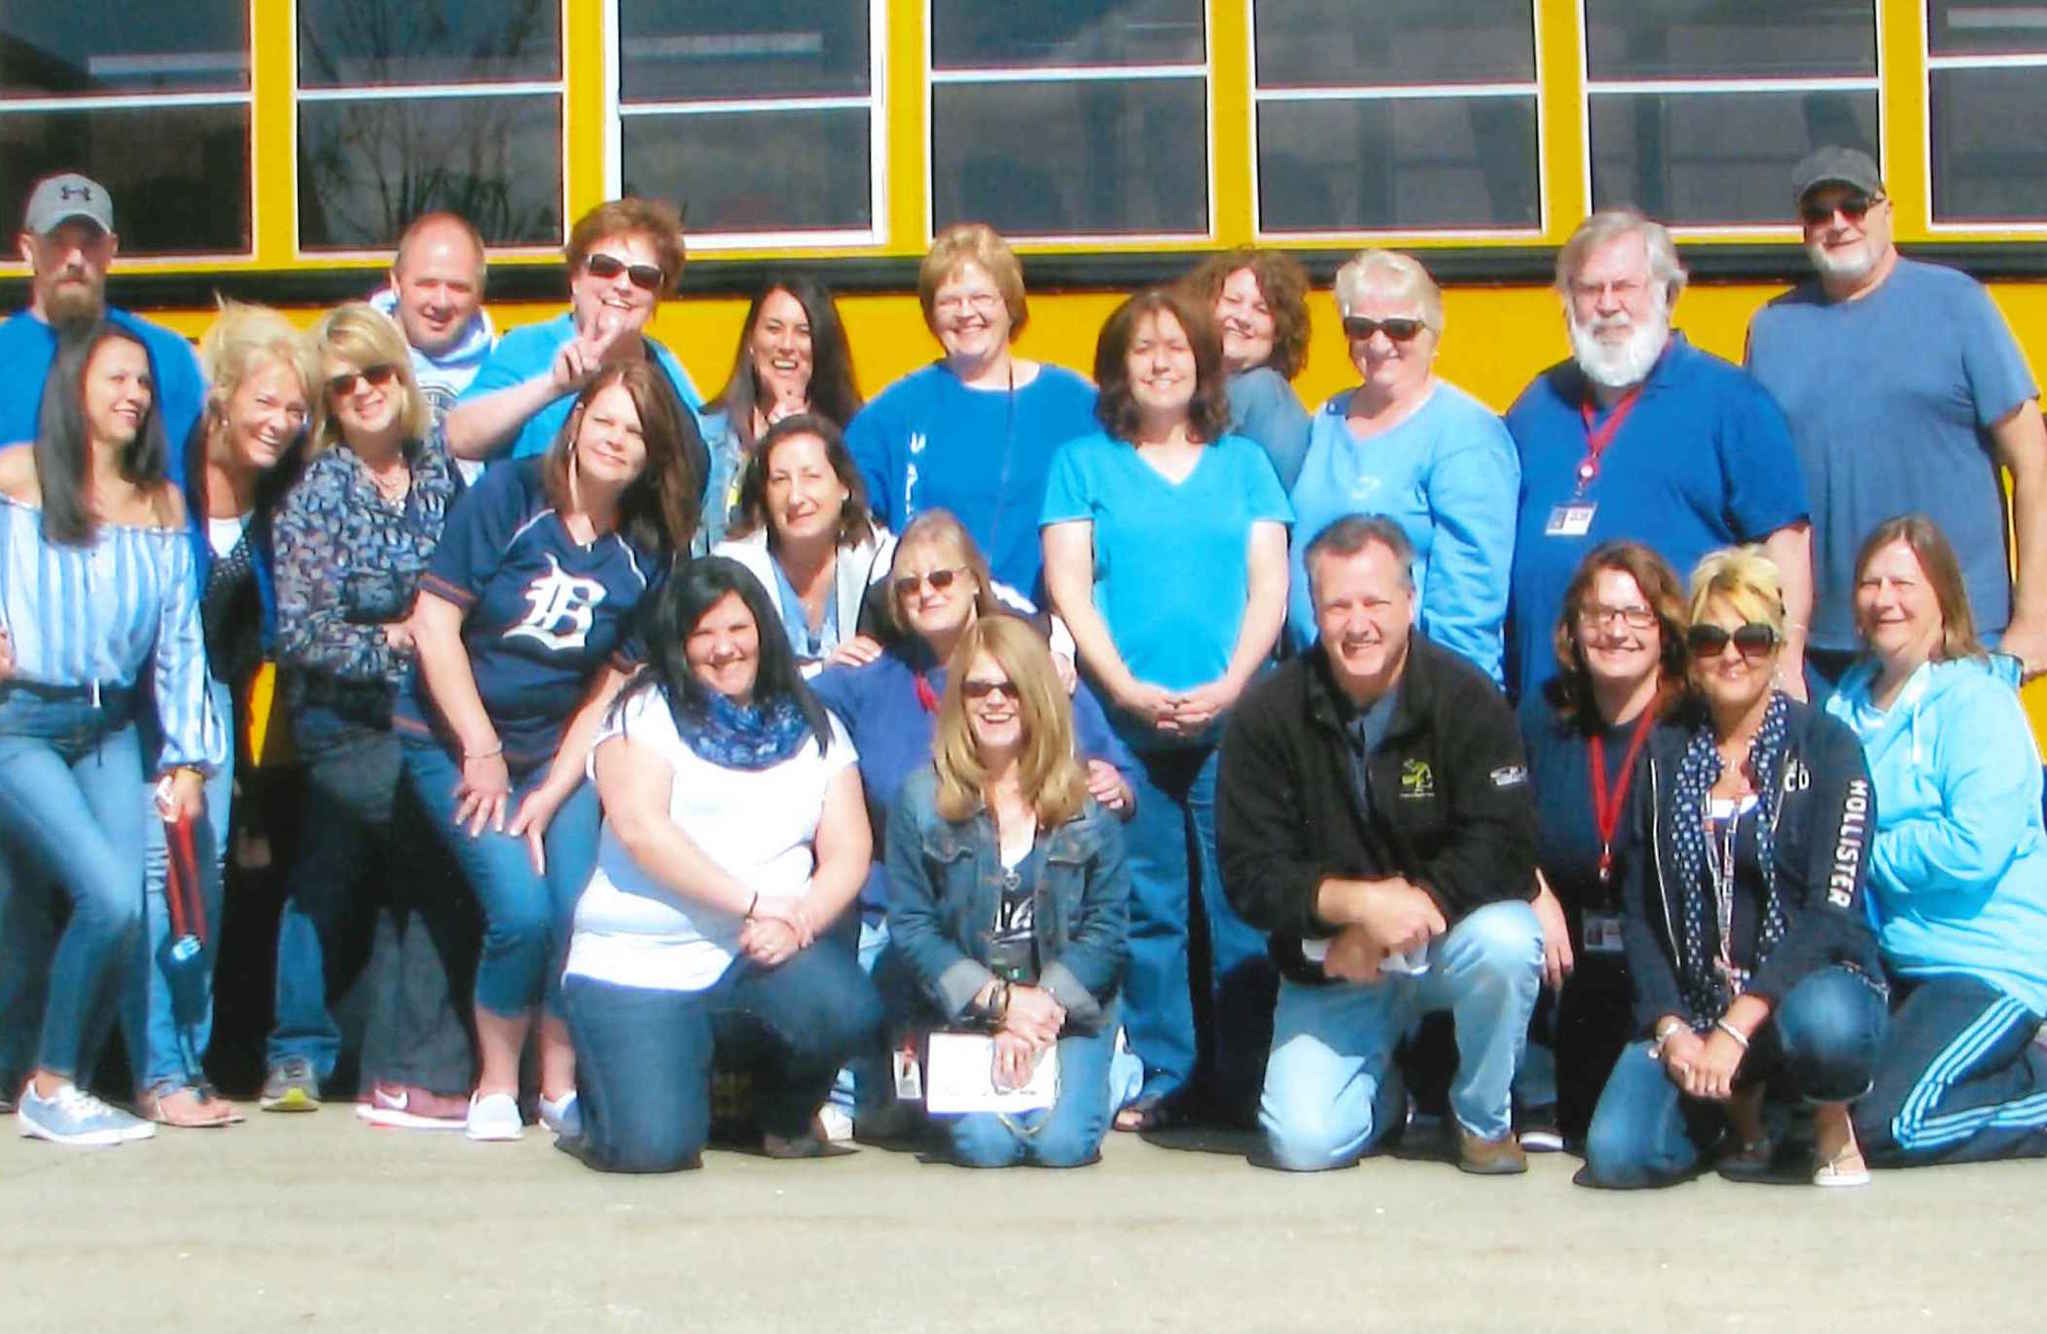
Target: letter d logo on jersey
x=563 y=607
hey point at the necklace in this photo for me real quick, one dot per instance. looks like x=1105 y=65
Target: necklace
x=1720 y=863
x=393 y=487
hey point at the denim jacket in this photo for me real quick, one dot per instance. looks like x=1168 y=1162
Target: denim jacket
x=945 y=878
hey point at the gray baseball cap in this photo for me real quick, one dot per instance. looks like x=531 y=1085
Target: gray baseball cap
x=1835 y=166
x=60 y=198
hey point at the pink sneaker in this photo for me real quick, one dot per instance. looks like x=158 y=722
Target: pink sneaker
x=405 y=1107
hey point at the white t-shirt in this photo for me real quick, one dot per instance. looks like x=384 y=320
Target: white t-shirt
x=758 y=825
x=224 y=535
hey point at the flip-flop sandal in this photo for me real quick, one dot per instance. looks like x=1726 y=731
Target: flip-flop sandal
x=1142 y=1115
x=188 y=1109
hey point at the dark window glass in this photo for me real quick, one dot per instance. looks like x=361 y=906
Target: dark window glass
x=1714 y=39
x=1020 y=34
x=1717 y=157
x=366 y=168
x=368 y=43
x=1071 y=158
x=54 y=47
x=696 y=50
x=1417 y=163
x=1989 y=145
x=1982 y=27
x=754 y=171
x=179 y=175
x=1340 y=42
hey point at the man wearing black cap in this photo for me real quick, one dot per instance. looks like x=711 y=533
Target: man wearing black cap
x=1906 y=391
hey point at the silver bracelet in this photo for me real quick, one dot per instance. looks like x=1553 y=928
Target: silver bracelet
x=1740 y=1039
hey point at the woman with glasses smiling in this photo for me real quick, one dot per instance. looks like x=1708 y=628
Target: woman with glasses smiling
x=1419 y=450
x=1755 y=973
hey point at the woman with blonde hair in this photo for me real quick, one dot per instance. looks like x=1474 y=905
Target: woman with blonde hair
x=1008 y=897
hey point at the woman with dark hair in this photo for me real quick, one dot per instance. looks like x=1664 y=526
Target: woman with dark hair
x=1260 y=300
x=804 y=531
x=1033 y=951
x=96 y=589
x=1754 y=970
x=522 y=630
x=1165 y=551
x=733 y=838
x=1620 y=651
x=1957 y=866
x=793 y=359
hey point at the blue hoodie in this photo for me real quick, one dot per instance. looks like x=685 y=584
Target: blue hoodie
x=1959 y=864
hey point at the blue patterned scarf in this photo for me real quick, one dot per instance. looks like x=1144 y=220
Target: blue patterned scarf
x=737 y=737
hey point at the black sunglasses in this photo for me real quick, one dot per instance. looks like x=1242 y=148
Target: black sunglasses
x=1710 y=641
x=1357 y=328
x=983 y=689
x=377 y=376
x=940 y=580
x=646 y=277
x=1852 y=207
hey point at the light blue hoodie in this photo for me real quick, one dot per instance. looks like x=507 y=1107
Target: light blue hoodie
x=1958 y=869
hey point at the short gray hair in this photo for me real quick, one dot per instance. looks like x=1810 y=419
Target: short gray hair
x=1609 y=224
x=1351 y=534
x=1392 y=275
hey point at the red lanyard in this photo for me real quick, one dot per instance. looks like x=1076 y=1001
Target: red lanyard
x=1597 y=438
x=925 y=694
x=1606 y=806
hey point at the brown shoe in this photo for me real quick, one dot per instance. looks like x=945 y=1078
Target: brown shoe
x=1490 y=1157
x=188 y=1108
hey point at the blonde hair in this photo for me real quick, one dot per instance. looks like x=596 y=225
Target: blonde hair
x=360 y=333
x=1051 y=777
x=940 y=530
x=1394 y=276
x=1745 y=579
x=241 y=339
x=973 y=243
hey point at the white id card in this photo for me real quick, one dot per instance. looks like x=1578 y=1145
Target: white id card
x=1570 y=520
x=959 y=1076
x=1602 y=933
x=909 y=1078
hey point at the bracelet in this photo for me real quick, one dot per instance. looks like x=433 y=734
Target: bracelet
x=469 y=755
x=751 y=906
x=1740 y=1039
x=1665 y=1033
x=998 y=1003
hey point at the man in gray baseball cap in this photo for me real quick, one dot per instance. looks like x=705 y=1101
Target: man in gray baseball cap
x=1905 y=391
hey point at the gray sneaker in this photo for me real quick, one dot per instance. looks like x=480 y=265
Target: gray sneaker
x=73 y=1116
x=291 y=1087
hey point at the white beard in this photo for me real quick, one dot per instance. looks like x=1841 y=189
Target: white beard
x=1843 y=266
x=1618 y=365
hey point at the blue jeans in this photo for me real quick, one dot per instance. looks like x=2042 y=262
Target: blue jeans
x=867 y=1082
x=643 y=1057
x=526 y=916
x=1330 y=1088
x=70 y=773
x=1171 y=842
x=1960 y=1080
x=1820 y=1044
x=1068 y=1133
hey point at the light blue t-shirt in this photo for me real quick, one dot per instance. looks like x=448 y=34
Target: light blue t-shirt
x=529 y=351
x=1891 y=398
x=1450 y=478
x=1170 y=557
x=1264 y=407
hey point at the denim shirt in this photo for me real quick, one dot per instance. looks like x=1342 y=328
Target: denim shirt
x=945 y=879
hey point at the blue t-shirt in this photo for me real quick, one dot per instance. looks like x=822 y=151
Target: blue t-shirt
x=929 y=442
x=28 y=346
x=1891 y=398
x=1171 y=578
x=1448 y=476
x=526 y=352
x=807 y=645
x=542 y=612
x=1264 y=408
x=1703 y=461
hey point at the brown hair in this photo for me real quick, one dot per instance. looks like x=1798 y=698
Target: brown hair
x=632 y=216
x=973 y=243
x=361 y=333
x=1052 y=780
x=855 y=521
x=1570 y=690
x=1208 y=415
x=1284 y=285
x=1936 y=557
x=658 y=510
x=939 y=528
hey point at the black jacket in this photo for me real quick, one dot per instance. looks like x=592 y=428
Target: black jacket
x=1449 y=804
x=1824 y=811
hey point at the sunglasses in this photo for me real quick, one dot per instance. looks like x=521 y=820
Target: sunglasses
x=377 y=376
x=1852 y=207
x=1754 y=639
x=1358 y=329
x=940 y=580
x=980 y=690
x=646 y=277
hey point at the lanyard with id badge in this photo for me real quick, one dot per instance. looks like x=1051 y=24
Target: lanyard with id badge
x=1603 y=925
x=1573 y=518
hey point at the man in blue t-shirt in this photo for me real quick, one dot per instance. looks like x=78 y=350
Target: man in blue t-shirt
x=1905 y=391
x=1641 y=435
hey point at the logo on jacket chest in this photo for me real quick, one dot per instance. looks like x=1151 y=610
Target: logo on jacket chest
x=561 y=609
x=1417 y=780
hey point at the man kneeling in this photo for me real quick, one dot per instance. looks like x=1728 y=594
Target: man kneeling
x=1373 y=815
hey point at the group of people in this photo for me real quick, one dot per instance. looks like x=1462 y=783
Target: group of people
x=1153 y=729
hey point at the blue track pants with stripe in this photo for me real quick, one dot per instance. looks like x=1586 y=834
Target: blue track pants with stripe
x=1960 y=1079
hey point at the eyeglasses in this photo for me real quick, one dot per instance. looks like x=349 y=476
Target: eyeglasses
x=981 y=303
x=980 y=690
x=1852 y=207
x=646 y=277
x=377 y=376
x=1753 y=639
x=940 y=580
x=1635 y=618
x=1357 y=328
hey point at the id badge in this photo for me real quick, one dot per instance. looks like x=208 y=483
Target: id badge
x=909 y=1078
x=1573 y=520
x=1602 y=933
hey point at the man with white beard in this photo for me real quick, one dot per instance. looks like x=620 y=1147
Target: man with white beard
x=1905 y=391
x=1641 y=435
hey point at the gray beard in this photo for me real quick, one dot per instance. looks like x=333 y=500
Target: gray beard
x=1618 y=367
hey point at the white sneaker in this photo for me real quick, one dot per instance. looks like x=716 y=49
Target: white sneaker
x=564 y=1117
x=494 y=1116
x=74 y=1117
x=833 y=1125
